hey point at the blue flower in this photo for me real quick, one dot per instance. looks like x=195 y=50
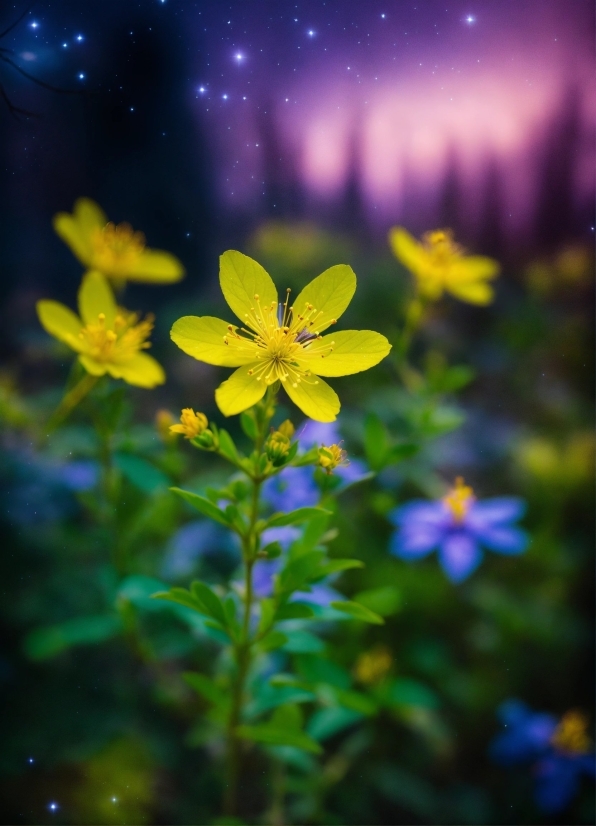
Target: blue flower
x=190 y=542
x=559 y=751
x=459 y=526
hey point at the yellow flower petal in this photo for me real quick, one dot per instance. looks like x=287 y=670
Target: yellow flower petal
x=157 y=267
x=407 y=249
x=239 y=392
x=474 y=292
x=317 y=401
x=142 y=370
x=330 y=293
x=75 y=230
x=96 y=368
x=202 y=337
x=59 y=321
x=353 y=351
x=472 y=268
x=95 y=297
x=241 y=278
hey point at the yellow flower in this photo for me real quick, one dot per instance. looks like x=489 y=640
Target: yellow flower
x=116 y=251
x=107 y=338
x=280 y=342
x=332 y=457
x=191 y=424
x=570 y=735
x=371 y=666
x=440 y=265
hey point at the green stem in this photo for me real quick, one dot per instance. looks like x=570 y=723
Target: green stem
x=413 y=320
x=71 y=400
x=242 y=649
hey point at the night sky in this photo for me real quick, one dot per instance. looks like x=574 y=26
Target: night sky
x=196 y=120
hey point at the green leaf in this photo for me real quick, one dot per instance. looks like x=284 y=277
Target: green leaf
x=279 y=520
x=204 y=686
x=248 y=424
x=299 y=571
x=356 y=701
x=266 y=733
x=274 y=639
x=268 y=696
x=399 y=453
x=321 y=670
x=211 y=602
x=294 y=610
x=335 y=565
x=326 y=722
x=227 y=446
x=267 y=612
x=43 y=643
x=272 y=550
x=203 y=505
x=384 y=601
x=303 y=642
x=407 y=692
x=182 y=597
x=357 y=611
x=141 y=473
x=376 y=441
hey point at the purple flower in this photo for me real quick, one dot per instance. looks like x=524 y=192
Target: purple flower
x=459 y=526
x=559 y=751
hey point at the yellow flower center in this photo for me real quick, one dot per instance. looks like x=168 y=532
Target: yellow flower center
x=281 y=339
x=459 y=499
x=116 y=247
x=441 y=247
x=117 y=344
x=570 y=735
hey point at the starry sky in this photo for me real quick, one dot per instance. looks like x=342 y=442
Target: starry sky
x=197 y=118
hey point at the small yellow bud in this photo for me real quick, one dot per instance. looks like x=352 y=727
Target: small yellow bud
x=371 y=666
x=278 y=444
x=191 y=424
x=332 y=457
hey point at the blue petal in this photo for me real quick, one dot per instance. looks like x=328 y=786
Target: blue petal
x=459 y=555
x=503 y=540
x=527 y=735
x=262 y=577
x=315 y=434
x=496 y=511
x=420 y=511
x=351 y=473
x=414 y=543
x=293 y=488
x=321 y=595
x=557 y=783
x=285 y=536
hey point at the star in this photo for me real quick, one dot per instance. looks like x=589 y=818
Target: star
x=239 y=57
x=311 y=33
x=81 y=75
x=202 y=89
x=34 y=24
x=225 y=97
x=53 y=807
x=79 y=37
x=470 y=19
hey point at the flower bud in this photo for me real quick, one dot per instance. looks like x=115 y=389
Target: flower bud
x=332 y=457
x=286 y=429
x=191 y=424
x=278 y=446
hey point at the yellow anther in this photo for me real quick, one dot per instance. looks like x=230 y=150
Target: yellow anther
x=459 y=499
x=570 y=735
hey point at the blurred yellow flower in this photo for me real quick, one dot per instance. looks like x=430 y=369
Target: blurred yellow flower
x=440 y=265
x=280 y=342
x=191 y=424
x=556 y=465
x=571 y=735
x=107 y=338
x=117 y=251
x=371 y=666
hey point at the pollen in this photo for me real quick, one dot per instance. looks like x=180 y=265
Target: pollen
x=119 y=343
x=281 y=338
x=116 y=247
x=459 y=499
